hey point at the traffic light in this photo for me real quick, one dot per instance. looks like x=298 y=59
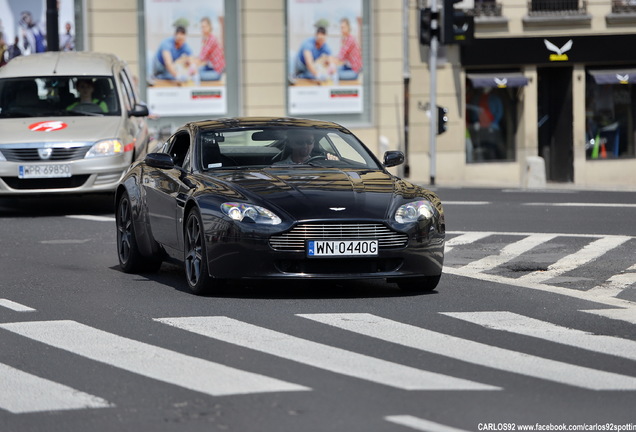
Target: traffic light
x=454 y=25
x=442 y=119
x=426 y=32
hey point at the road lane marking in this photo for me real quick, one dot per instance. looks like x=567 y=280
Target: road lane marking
x=15 y=306
x=519 y=324
x=588 y=253
x=22 y=392
x=605 y=293
x=615 y=284
x=321 y=356
x=508 y=253
x=464 y=239
x=65 y=241
x=420 y=424
x=475 y=352
x=475 y=203
x=93 y=218
x=569 y=292
x=147 y=360
x=628 y=314
x=575 y=204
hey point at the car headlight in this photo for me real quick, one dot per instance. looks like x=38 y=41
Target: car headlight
x=414 y=211
x=109 y=147
x=249 y=213
x=2 y=158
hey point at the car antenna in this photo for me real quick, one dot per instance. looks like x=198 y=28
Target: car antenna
x=57 y=62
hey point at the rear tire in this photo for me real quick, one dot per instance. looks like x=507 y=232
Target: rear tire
x=195 y=256
x=419 y=284
x=130 y=259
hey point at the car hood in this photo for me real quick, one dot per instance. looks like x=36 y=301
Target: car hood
x=52 y=130
x=314 y=193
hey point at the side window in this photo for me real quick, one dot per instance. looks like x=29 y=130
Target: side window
x=345 y=150
x=129 y=94
x=179 y=148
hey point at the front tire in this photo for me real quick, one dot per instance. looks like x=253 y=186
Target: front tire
x=130 y=259
x=419 y=284
x=195 y=259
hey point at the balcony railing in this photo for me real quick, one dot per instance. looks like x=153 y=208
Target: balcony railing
x=556 y=7
x=486 y=8
x=624 y=6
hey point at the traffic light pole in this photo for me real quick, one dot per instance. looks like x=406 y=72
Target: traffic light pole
x=432 y=64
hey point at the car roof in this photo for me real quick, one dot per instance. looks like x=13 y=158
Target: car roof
x=264 y=122
x=61 y=63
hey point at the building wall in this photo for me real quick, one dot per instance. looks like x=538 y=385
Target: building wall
x=112 y=26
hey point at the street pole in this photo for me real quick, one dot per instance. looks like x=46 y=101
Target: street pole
x=52 y=28
x=432 y=64
x=406 y=74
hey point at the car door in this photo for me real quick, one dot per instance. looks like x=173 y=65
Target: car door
x=164 y=192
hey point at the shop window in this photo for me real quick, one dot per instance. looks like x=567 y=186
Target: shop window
x=610 y=115
x=491 y=116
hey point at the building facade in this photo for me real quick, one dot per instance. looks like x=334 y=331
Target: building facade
x=553 y=79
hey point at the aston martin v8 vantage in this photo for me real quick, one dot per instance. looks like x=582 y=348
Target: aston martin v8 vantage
x=277 y=198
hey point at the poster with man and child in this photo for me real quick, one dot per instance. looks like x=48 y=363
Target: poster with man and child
x=185 y=57
x=324 y=56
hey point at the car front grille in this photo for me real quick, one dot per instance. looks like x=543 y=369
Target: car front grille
x=49 y=183
x=31 y=154
x=294 y=240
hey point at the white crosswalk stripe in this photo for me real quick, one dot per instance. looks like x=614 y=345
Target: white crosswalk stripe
x=420 y=424
x=320 y=355
x=581 y=257
x=519 y=324
x=475 y=352
x=509 y=252
x=464 y=239
x=15 y=306
x=606 y=292
x=21 y=392
x=147 y=360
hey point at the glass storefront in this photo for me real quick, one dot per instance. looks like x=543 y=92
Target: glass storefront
x=491 y=115
x=610 y=114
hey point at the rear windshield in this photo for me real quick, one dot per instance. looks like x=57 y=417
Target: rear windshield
x=58 y=96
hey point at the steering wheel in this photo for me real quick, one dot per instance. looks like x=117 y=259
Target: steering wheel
x=313 y=158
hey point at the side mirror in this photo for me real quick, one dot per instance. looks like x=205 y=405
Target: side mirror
x=140 y=110
x=159 y=160
x=393 y=158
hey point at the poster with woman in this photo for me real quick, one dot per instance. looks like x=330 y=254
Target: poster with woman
x=185 y=57
x=324 y=56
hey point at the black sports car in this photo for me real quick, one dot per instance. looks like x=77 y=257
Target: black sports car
x=277 y=198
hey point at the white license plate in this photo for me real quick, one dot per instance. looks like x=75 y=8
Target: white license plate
x=44 y=171
x=329 y=248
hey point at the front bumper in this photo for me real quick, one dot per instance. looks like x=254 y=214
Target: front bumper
x=251 y=257
x=87 y=175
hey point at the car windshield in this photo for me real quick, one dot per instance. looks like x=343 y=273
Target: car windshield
x=58 y=96
x=283 y=147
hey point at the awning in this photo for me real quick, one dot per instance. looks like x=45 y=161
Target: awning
x=498 y=80
x=614 y=76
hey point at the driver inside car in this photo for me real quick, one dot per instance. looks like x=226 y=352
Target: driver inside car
x=300 y=145
x=302 y=148
x=85 y=87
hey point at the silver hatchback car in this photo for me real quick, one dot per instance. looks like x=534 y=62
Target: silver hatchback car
x=71 y=122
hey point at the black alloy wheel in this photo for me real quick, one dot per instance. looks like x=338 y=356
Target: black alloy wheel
x=195 y=260
x=130 y=259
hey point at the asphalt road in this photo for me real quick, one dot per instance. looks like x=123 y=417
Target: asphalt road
x=533 y=323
